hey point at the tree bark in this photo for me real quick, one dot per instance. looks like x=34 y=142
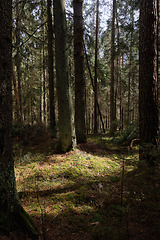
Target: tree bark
x=62 y=74
x=130 y=73
x=18 y=111
x=95 y=70
x=51 y=70
x=80 y=125
x=44 y=84
x=11 y=212
x=92 y=82
x=148 y=80
x=18 y=56
x=40 y=86
x=112 y=94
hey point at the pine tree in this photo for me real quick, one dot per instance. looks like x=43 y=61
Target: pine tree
x=51 y=70
x=112 y=90
x=11 y=212
x=148 y=80
x=62 y=76
x=79 y=73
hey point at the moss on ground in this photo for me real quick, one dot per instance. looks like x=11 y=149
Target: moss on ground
x=96 y=191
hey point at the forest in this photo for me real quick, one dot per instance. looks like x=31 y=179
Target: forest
x=79 y=120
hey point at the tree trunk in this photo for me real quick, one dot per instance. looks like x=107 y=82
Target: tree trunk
x=18 y=112
x=148 y=80
x=79 y=73
x=40 y=86
x=120 y=96
x=93 y=86
x=95 y=70
x=44 y=112
x=130 y=73
x=62 y=74
x=44 y=85
x=18 y=56
x=51 y=70
x=11 y=212
x=112 y=95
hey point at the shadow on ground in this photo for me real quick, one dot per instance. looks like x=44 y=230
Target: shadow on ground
x=121 y=206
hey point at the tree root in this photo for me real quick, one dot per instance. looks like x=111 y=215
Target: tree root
x=23 y=219
x=19 y=220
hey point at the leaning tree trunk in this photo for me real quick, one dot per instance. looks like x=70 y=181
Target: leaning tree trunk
x=62 y=74
x=93 y=86
x=12 y=214
x=148 y=80
x=79 y=73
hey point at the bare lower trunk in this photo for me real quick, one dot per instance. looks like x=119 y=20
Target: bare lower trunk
x=79 y=73
x=112 y=91
x=65 y=120
x=148 y=80
x=51 y=71
x=12 y=215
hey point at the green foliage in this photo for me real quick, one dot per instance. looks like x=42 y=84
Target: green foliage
x=125 y=137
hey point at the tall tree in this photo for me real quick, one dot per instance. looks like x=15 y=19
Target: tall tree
x=95 y=69
x=51 y=70
x=62 y=75
x=44 y=60
x=112 y=92
x=130 y=71
x=79 y=72
x=148 y=79
x=18 y=56
x=18 y=112
x=11 y=212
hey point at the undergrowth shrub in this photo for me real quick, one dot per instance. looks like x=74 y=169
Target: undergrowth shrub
x=125 y=137
x=30 y=134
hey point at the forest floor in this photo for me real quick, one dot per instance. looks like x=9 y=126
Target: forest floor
x=94 y=192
